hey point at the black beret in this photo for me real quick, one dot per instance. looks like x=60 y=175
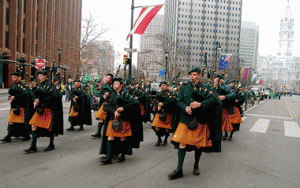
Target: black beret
x=195 y=69
x=231 y=81
x=118 y=80
x=16 y=74
x=161 y=83
x=43 y=72
x=110 y=75
x=77 y=81
x=218 y=76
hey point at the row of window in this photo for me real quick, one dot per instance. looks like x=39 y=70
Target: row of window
x=215 y=25
x=217 y=1
x=208 y=18
x=211 y=12
x=214 y=31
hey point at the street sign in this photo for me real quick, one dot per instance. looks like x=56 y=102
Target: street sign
x=130 y=50
x=40 y=63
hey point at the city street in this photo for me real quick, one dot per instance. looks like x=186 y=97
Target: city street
x=264 y=153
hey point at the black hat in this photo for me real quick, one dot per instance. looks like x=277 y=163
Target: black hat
x=110 y=75
x=16 y=74
x=118 y=80
x=218 y=76
x=195 y=69
x=161 y=83
x=43 y=72
x=77 y=81
x=105 y=88
x=231 y=81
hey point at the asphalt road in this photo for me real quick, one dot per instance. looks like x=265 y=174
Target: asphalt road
x=264 y=153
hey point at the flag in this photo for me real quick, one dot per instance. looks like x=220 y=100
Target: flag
x=162 y=73
x=145 y=17
x=244 y=73
x=260 y=81
x=224 y=61
x=254 y=76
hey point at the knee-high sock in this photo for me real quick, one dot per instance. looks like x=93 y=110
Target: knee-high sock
x=9 y=127
x=109 y=149
x=123 y=147
x=34 y=138
x=100 y=125
x=181 y=156
x=51 y=140
x=198 y=153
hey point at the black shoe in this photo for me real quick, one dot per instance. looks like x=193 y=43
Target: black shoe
x=26 y=138
x=158 y=143
x=6 y=139
x=106 y=162
x=103 y=158
x=70 y=129
x=224 y=137
x=121 y=158
x=196 y=171
x=165 y=143
x=30 y=150
x=230 y=138
x=50 y=147
x=80 y=129
x=176 y=174
x=96 y=135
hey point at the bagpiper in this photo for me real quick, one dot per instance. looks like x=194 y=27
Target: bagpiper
x=47 y=120
x=123 y=125
x=192 y=132
x=20 y=99
x=164 y=105
x=80 y=108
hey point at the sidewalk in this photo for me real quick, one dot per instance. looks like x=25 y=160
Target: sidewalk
x=3 y=91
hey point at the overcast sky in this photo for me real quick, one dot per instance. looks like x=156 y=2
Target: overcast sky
x=116 y=14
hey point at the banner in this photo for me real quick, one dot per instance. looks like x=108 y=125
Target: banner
x=145 y=17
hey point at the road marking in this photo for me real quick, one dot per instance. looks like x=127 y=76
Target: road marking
x=268 y=116
x=243 y=118
x=261 y=126
x=3 y=109
x=290 y=110
x=291 y=129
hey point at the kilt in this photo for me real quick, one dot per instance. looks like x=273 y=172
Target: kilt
x=236 y=117
x=73 y=113
x=42 y=120
x=101 y=114
x=162 y=124
x=142 y=109
x=226 y=124
x=199 y=137
x=12 y=118
x=124 y=132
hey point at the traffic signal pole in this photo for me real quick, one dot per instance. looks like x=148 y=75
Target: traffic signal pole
x=130 y=46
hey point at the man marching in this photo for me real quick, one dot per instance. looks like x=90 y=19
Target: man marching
x=164 y=103
x=192 y=133
x=47 y=120
x=20 y=99
x=80 y=109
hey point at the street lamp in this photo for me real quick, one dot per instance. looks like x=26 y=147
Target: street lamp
x=218 y=46
x=166 y=57
x=58 y=68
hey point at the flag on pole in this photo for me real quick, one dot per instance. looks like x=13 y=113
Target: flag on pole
x=246 y=70
x=145 y=17
x=254 y=76
x=260 y=81
x=224 y=61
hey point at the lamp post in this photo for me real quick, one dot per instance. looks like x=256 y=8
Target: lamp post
x=166 y=57
x=218 y=46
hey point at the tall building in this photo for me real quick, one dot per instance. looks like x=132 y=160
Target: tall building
x=193 y=27
x=249 y=45
x=150 y=57
x=32 y=29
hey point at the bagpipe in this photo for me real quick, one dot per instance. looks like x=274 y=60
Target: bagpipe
x=77 y=92
x=42 y=92
x=162 y=114
x=15 y=91
x=105 y=103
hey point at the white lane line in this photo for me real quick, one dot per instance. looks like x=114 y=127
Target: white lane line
x=3 y=109
x=291 y=129
x=243 y=118
x=254 y=107
x=268 y=116
x=261 y=126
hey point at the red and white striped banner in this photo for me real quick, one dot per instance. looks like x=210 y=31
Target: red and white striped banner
x=145 y=17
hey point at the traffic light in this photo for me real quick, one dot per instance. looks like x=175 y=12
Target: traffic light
x=126 y=61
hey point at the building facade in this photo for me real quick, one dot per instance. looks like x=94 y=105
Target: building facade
x=32 y=29
x=195 y=27
x=151 y=55
x=249 y=45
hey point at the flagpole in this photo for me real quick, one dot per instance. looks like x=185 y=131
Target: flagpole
x=148 y=6
x=130 y=45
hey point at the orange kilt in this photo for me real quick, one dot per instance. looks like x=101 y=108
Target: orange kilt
x=198 y=137
x=226 y=124
x=162 y=124
x=124 y=132
x=142 y=109
x=42 y=120
x=73 y=113
x=101 y=114
x=12 y=118
x=236 y=117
